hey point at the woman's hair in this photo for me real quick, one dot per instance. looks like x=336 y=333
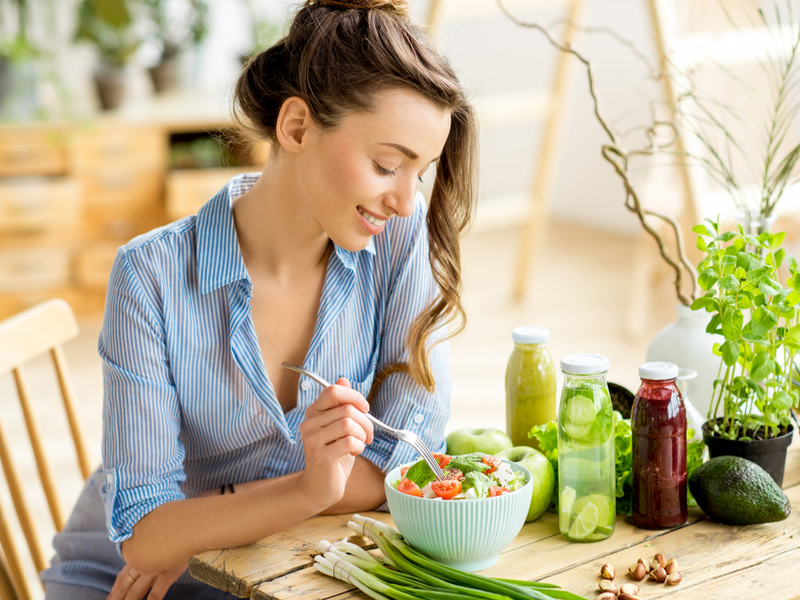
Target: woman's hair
x=337 y=55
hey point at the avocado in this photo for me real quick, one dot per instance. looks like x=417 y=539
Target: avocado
x=736 y=491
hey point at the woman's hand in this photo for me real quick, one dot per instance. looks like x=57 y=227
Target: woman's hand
x=132 y=585
x=334 y=432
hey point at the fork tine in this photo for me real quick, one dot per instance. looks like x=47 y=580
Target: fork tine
x=429 y=458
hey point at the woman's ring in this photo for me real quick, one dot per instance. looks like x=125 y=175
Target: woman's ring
x=131 y=579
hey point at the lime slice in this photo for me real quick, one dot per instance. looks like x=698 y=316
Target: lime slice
x=580 y=410
x=585 y=523
x=602 y=503
x=568 y=496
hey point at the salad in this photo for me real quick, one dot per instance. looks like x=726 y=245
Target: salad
x=468 y=477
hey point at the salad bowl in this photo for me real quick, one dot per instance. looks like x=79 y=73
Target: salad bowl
x=465 y=534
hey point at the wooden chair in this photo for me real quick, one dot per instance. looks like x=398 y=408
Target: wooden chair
x=38 y=330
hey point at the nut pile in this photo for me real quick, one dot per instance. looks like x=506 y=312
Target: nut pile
x=659 y=569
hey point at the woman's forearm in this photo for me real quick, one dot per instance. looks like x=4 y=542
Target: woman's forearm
x=364 y=489
x=172 y=533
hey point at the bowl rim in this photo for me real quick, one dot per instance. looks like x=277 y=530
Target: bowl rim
x=390 y=489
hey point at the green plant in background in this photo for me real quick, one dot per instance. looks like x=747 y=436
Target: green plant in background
x=186 y=23
x=759 y=318
x=265 y=31
x=15 y=43
x=109 y=25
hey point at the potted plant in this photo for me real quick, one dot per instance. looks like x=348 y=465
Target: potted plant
x=759 y=317
x=175 y=24
x=17 y=56
x=108 y=24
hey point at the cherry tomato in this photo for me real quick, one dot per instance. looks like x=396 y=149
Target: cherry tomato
x=446 y=489
x=492 y=462
x=403 y=471
x=442 y=458
x=496 y=490
x=454 y=474
x=409 y=487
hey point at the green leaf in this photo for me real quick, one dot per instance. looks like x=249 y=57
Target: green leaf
x=793 y=333
x=730 y=352
x=709 y=303
x=732 y=325
x=744 y=301
x=701 y=230
x=777 y=239
x=794 y=281
x=781 y=401
x=729 y=283
x=727 y=236
x=479 y=481
x=707 y=279
x=756 y=275
x=701 y=244
x=770 y=287
x=792 y=264
x=779 y=256
x=420 y=473
x=763 y=365
x=713 y=325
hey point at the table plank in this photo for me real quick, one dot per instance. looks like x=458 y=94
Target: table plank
x=239 y=570
x=706 y=552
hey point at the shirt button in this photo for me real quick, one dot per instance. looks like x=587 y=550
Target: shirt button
x=306 y=385
x=418 y=419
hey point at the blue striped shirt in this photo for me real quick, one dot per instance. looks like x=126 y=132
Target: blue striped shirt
x=188 y=405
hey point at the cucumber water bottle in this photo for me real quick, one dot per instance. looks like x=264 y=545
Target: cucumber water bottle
x=586 y=482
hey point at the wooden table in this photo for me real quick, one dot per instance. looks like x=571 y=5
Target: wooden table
x=717 y=561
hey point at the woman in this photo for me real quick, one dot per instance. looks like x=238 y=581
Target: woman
x=328 y=258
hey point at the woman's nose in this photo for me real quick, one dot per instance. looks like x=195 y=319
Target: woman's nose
x=400 y=200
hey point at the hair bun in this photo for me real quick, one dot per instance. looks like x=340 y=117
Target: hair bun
x=400 y=7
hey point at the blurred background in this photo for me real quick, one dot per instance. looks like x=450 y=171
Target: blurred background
x=114 y=116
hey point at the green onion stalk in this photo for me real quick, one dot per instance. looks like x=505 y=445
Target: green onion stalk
x=404 y=573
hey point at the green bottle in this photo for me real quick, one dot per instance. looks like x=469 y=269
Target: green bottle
x=586 y=481
x=530 y=384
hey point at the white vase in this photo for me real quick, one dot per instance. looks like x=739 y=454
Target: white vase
x=686 y=343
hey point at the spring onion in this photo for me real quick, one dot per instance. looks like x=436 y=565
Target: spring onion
x=403 y=573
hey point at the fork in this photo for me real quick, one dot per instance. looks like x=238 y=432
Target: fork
x=404 y=435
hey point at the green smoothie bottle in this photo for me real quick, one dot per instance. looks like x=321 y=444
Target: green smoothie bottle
x=586 y=481
x=530 y=384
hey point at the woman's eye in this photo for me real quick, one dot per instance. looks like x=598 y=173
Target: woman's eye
x=383 y=171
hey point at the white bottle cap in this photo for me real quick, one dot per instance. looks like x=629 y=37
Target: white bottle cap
x=530 y=335
x=658 y=370
x=584 y=364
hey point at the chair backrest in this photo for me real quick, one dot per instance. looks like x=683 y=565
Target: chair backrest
x=39 y=330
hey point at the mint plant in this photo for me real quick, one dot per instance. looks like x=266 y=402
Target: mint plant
x=760 y=321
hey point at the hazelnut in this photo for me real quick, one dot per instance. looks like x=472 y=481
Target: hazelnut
x=628 y=597
x=638 y=571
x=659 y=574
x=646 y=565
x=672 y=566
x=606 y=585
x=606 y=596
x=629 y=588
x=674 y=578
x=607 y=572
x=658 y=561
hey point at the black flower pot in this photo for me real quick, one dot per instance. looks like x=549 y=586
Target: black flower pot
x=769 y=454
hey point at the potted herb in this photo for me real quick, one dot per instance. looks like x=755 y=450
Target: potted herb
x=759 y=318
x=108 y=24
x=17 y=55
x=174 y=24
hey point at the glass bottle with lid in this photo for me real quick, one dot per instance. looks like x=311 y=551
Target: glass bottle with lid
x=658 y=427
x=586 y=480
x=530 y=384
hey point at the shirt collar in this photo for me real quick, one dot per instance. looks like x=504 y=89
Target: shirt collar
x=219 y=259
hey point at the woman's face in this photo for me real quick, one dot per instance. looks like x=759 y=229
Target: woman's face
x=365 y=171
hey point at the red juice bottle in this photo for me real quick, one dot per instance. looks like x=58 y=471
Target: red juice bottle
x=658 y=425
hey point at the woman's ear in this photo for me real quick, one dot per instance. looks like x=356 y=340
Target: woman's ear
x=294 y=122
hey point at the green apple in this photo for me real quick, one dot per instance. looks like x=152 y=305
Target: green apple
x=488 y=441
x=544 y=478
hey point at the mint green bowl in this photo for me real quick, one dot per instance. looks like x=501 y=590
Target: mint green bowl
x=466 y=534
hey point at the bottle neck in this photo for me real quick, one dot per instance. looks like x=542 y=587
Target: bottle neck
x=588 y=378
